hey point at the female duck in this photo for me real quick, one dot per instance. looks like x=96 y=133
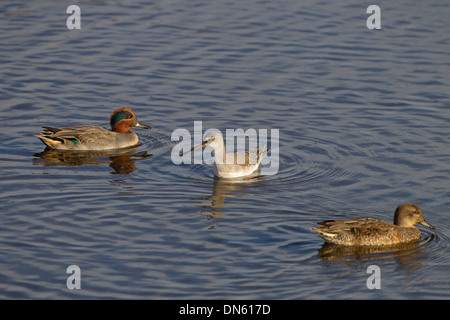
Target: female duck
x=375 y=232
x=95 y=137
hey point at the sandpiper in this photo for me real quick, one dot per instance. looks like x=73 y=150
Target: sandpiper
x=232 y=165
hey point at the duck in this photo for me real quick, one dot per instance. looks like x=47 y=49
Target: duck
x=241 y=164
x=375 y=232
x=95 y=138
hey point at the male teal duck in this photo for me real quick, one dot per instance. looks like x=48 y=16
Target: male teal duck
x=95 y=137
x=375 y=232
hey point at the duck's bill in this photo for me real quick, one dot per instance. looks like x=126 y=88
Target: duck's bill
x=426 y=224
x=141 y=125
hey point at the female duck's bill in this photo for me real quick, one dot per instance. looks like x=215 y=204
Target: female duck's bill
x=95 y=137
x=232 y=165
x=375 y=232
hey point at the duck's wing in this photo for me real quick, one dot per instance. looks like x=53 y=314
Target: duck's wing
x=355 y=228
x=81 y=135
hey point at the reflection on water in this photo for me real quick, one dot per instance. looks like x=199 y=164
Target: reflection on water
x=122 y=161
x=226 y=188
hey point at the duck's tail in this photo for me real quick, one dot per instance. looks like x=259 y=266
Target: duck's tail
x=47 y=136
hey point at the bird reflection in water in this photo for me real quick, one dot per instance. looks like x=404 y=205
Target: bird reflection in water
x=226 y=188
x=122 y=161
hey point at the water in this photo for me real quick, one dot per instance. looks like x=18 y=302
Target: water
x=364 y=126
